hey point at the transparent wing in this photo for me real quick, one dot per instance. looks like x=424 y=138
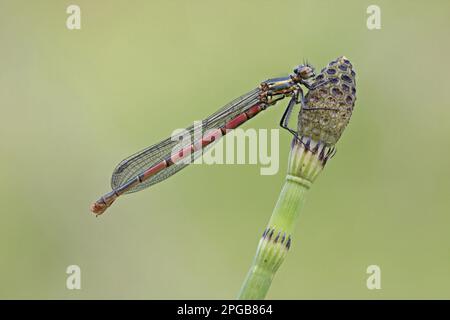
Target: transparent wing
x=141 y=161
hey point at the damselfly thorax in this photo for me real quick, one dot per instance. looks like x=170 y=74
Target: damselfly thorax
x=161 y=160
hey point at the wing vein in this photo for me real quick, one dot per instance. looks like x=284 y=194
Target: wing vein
x=137 y=163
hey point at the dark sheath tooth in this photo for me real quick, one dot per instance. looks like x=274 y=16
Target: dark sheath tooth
x=271 y=234
x=288 y=243
x=277 y=237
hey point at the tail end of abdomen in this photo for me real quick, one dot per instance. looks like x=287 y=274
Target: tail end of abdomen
x=99 y=206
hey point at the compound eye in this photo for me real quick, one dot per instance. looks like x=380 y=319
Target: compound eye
x=305 y=72
x=299 y=69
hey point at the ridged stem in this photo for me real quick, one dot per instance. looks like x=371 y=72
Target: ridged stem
x=306 y=160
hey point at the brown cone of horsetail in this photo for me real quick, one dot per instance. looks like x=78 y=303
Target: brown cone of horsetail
x=320 y=124
x=330 y=106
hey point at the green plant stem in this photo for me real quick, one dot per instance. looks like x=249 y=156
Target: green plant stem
x=304 y=166
x=284 y=217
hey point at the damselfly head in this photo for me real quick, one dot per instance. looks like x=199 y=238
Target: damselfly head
x=304 y=71
x=329 y=104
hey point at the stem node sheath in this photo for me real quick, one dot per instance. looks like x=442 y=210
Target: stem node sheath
x=306 y=160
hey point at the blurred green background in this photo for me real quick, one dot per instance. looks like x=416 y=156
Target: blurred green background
x=74 y=103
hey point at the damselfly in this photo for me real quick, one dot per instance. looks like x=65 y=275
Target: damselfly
x=160 y=161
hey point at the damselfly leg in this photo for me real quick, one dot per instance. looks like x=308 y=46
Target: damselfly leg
x=297 y=98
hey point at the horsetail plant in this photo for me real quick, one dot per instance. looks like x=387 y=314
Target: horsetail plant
x=321 y=121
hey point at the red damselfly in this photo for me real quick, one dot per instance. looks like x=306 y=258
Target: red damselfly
x=161 y=160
